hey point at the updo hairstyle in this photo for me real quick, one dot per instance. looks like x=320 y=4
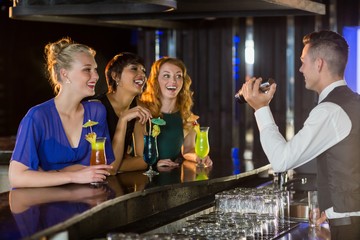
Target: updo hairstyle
x=60 y=55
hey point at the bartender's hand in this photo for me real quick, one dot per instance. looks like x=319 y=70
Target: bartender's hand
x=255 y=98
x=322 y=219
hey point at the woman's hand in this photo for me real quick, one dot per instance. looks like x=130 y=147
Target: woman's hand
x=207 y=161
x=166 y=163
x=143 y=114
x=96 y=173
x=21 y=176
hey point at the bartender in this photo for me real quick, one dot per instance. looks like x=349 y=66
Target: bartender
x=331 y=133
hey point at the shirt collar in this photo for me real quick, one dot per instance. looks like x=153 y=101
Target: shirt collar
x=329 y=88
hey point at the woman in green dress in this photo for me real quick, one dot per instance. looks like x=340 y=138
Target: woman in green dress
x=168 y=96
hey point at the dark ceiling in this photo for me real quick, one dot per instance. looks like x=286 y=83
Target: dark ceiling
x=155 y=13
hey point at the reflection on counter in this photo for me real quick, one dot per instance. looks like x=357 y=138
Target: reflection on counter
x=30 y=212
x=35 y=209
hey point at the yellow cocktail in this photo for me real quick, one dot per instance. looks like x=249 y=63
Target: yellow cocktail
x=98 y=151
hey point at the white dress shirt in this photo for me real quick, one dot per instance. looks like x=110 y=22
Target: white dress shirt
x=326 y=125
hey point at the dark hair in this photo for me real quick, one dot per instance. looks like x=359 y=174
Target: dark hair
x=117 y=64
x=330 y=46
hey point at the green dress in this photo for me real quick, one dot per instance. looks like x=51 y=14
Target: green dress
x=171 y=137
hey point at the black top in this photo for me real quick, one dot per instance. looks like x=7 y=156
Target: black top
x=112 y=120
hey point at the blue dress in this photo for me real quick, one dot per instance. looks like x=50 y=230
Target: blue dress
x=41 y=140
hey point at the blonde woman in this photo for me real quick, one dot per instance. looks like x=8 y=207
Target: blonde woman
x=51 y=148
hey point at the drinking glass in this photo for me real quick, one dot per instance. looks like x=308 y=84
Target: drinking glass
x=150 y=154
x=314 y=210
x=202 y=147
x=98 y=155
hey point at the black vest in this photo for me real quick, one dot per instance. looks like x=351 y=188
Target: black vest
x=338 y=168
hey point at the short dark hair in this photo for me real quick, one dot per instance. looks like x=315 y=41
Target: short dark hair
x=117 y=64
x=330 y=46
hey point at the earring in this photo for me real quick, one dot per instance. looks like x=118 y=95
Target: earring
x=67 y=81
x=117 y=83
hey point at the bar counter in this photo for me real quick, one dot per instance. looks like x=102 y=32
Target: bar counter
x=129 y=202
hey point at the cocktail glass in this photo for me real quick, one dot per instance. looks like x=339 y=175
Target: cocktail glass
x=150 y=154
x=202 y=147
x=98 y=155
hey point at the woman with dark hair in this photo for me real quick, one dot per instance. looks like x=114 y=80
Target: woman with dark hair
x=125 y=77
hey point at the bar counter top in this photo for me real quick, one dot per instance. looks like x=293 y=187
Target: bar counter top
x=129 y=202
x=87 y=212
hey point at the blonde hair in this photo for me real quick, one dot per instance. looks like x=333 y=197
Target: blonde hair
x=151 y=96
x=60 y=54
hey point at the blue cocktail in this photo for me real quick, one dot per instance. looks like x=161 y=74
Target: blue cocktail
x=150 y=154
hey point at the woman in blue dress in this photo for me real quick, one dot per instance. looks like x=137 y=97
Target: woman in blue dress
x=50 y=147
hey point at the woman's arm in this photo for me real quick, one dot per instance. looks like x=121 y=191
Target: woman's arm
x=21 y=176
x=188 y=149
x=23 y=198
x=137 y=162
x=118 y=143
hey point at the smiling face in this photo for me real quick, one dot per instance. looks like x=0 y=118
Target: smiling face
x=171 y=80
x=83 y=76
x=133 y=78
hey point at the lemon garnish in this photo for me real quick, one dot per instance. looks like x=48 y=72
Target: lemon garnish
x=155 y=131
x=91 y=137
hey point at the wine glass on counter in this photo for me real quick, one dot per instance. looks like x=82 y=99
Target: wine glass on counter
x=202 y=147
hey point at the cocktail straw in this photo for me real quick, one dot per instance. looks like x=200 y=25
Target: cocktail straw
x=149 y=127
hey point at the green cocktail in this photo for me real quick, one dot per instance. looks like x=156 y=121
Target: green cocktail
x=202 y=147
